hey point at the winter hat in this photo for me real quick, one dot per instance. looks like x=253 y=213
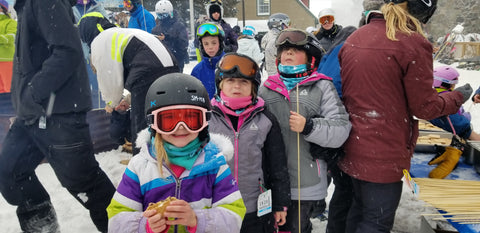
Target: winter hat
x=370 y=5
x=92 y=24
x=4 y=4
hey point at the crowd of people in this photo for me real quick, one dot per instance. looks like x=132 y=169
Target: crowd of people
x=235 y=153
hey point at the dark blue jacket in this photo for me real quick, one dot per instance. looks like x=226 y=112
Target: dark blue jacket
x=176 y=36
x=205 y=72
x=48 y=67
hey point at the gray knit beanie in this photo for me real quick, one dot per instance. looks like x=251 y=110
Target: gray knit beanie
x=369 y=5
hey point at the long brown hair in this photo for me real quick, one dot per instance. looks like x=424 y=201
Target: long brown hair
x=398 y=19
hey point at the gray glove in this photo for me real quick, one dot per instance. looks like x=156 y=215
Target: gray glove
x=466 y=91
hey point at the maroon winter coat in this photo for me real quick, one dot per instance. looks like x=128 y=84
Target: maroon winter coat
x=385 y=83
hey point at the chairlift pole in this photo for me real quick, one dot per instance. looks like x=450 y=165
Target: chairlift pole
x=192 y=20
x=243 y=12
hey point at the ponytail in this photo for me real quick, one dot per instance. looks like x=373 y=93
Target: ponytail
x=398 y=19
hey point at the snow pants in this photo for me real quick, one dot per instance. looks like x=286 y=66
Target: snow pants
x=374 y=206
x=66 y=144
x=340 y=202
x=253 y=224
x=306 y=208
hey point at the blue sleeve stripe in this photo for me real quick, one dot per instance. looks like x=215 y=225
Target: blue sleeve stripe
x=132 y=175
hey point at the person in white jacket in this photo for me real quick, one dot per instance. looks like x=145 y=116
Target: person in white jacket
x=248 y=45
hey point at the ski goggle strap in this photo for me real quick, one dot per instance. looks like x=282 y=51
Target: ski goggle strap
x=168 y=119
x=209 y=28
x=326 y=19
x=294 y=37
x=245 y=66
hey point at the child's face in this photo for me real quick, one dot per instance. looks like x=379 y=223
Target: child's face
x=180 y=137
x=211 y=45
x=216 y=15
x=236 y=87
x=293 y=57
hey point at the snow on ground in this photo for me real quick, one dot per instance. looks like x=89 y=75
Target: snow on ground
x=73 y=218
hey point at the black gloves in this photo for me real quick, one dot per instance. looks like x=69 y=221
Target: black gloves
x=466 y=91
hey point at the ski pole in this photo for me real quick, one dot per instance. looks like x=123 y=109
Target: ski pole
x=298 y=172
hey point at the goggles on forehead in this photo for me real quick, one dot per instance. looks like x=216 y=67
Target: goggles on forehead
x=294 y=37
x=209 y=28
x=326 y=19
x=127 y=3
x=168 y=119
x=244 y=65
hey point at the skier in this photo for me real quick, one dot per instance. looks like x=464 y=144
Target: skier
x=211 y=39
x=171 y=31
x=179 y=158
x=140 y=18
x=276 y=23
x=259 y=162
x=214 y=11
x=328 y=30
x=248 y=45
x=309 y=112
x=391 y=55
x=125 y=58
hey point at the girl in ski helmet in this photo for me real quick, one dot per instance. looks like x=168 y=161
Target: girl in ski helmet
x=180 y=159
x=445 y=77
x=211 y=38
x=444 y=80
x=259 y=163
x=309 y=112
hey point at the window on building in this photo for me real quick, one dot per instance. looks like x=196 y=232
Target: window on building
x=263 y=7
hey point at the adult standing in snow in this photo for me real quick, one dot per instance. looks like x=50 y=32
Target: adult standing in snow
x=328 y=30
x=171 y=31
x=392 y=55
x=248 y=45
x=140 y=18
x=276 y=22
x=138 y=59
x=51 y=97
x=8 y=30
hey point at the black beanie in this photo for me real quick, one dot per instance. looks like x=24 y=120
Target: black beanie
x=89 y=30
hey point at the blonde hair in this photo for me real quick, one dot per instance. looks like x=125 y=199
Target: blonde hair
x=398 y=19
x=160 y=153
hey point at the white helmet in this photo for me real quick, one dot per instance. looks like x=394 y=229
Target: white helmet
x=164 y=7
x=325 y=12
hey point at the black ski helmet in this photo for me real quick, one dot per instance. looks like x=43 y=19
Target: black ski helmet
x=177 y=89
x=309 y=44
x=420 y=9
x=235 y=72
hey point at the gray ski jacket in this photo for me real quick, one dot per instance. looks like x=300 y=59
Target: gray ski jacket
x=259 y=154
x=327 y=126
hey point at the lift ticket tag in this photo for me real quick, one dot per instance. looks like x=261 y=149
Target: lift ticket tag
x=264 y=203
x=411 y=183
